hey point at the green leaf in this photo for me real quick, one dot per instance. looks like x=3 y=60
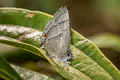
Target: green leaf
x=91 y=50
x=30 y=75
x=27 y=35
x=77 y=60
x=86 y=65
x=7 y=72
x=107 y=40
x=24 y=17
x=68 y=70
x=88 y=61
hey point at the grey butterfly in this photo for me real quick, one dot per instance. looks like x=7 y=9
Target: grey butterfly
x=56 y=36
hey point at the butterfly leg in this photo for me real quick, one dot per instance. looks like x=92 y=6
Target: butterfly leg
x=65 y=60
x=64 y=64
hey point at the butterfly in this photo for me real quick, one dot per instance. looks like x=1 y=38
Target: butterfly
x=56 y=36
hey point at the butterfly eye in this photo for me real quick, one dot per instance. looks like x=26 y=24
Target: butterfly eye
x=68 y=54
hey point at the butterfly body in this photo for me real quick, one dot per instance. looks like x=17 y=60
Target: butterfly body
x=56 y=35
